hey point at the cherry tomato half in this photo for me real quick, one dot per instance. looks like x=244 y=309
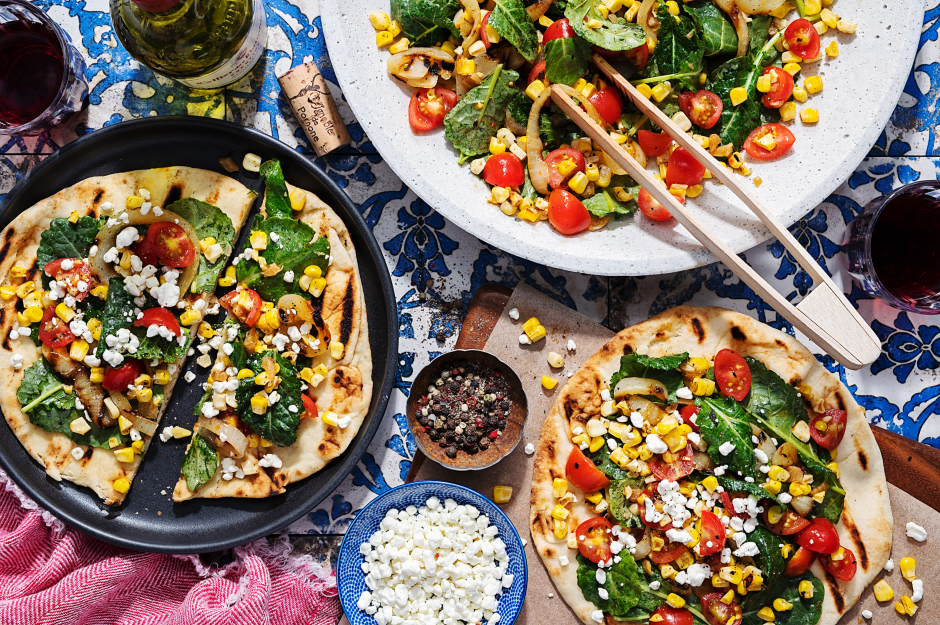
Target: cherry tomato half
x=669 y=615
x=683 y=168
x=160 y=317
x=702 y=107
x=244 y=304
x=669 y=553
x=594 y=539
x=781 y=87
x=427 y=108
x=652 y=208
x=310 y=407
x=803 y=39
x=800 y=562
x=687 y=413
x=639 y=55
x=566 y=213
x=537 y=72
x=783 y=140
x=169 y=242
x=672 y=471
x=728 y=503
x=844 y=568
x=828 y=428
x=609 y=104
x=53 y=331
x=560 y=29
x=71 y=280
x=820 y=536
x=582 y=473
x=118 y=379
x=504 y=170
x=732 y=374
x=789 y=521
x=653 y=143
x=713 y=534
x=717 y=612
x=557 y=179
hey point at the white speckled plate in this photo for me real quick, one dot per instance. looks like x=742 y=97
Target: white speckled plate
x=862 y=87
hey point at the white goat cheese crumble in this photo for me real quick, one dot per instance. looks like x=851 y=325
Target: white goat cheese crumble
x=916 y=532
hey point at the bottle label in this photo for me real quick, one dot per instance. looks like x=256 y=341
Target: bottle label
x=242 y=61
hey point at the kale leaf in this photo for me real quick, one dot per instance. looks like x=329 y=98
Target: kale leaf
x=510 y=20
x=619 y=35
x=722 y=420
x=626 y=589
x=678 y=56
x=276 y=200
x=208 y=221
x=804 y=611
x=662 y=369
x=714 y=29
x=426 y=22
x=604 y=202
x=118 y=312
x=620 y=505
x=200 y=463
x=64 y=239
x=480 y=113
x=278 y=423
x=566 y=59
x=519 y=107
x=770 y=560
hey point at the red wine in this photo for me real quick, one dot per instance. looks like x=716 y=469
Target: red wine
x=904 y=250
x=31 y=68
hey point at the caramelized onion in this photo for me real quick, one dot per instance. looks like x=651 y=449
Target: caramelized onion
x=538 y=170
x=643 y=546
x=759 y=7
x=739 y=19
x=420 y=67
x=643 y=18
x=474 y=8
x=598 y=223
x=639 y=386
x=141 y=424
x=233 y=436
x=650 y=411
x=538 y=9
x=294 y=310
x=702 y=461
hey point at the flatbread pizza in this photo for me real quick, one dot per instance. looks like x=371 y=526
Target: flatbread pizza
x=703 y=467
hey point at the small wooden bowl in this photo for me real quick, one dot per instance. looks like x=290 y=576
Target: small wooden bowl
x=515 y=421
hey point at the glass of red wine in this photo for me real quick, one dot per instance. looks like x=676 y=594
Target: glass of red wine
x=42 y=76
x=892 y=248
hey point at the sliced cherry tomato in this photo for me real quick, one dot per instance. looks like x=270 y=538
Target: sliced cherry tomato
x=77 y=281
x=609 y=104
x=828 y=428
x=783 y=140
x=732 y=374
x=687 y=413
x=669 y=615
x=427 y=108
x=820 y=536
x=781 y=87
x=800 y=562
x=310 y=407
x=594 y=539
x=53 y=331
x=582 y=473
x=639 y=55
x=650 y=493
x=145 y=251
x=557 y=179
x=560 y=29
x=713 y=534
x=702 y=107
x=171 y=245
x=717 y=612
x=118 y=379
x=504 y=170
x=607 y=54
x=803 y=39
x=160 y=317
x=566 y=213
x=245 y=304
x=727 y=502
x=653 y=209
x=672 y=471
x=790 y=522
x=483 y=36
x=683 y=168
x=537 y=72
x=653 y=143
x=669 y=553
x=843 y=569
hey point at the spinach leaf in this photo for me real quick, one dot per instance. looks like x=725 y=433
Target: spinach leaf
x=776 y=408
x=426 y=22
x=64 y=239
x=619 y=35
x=625 y=587
x=159 y=348
x=733 y=485
x=770 y=560
x=662 y=369
x=722 y=420
x=277 y=200
x=714 y=29
x=519 y=107
x=480 y=113
x=566 y=59
x=200 y=463
x=678 y=56
x=604 y=202
x=296 y=247
x=601 y=460
x=278 y=424
x=528 y=191
x=620 y=505
x=118 y=312
x=804 y=611
x=547 y=133
x=510 y=20
x=208 y=221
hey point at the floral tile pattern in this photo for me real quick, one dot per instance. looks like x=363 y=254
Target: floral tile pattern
x=436 y=267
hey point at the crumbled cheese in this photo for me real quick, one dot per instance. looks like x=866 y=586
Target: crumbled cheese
x=270 y=460
x=571 y=345
x=524 y=340
x=529 y=449
x=288 y=276
x=918 y=592
x=563 y=561
x=866 y=614
x=189 y=376
x=747 y=549
x=166 y=433
x=656 y=445
x=126 y=238
x=726 y=448
x=889 y=565
x=605 y=394
x=684 y=393
x=16 y=361
x=916 y=532
x=597 y=616
x=77 y=453
x=654 y=585
x=636 y=419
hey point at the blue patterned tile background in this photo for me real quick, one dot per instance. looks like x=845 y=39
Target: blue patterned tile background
x=436 y=267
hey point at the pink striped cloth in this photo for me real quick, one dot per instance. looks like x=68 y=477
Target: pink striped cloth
x=51 y=574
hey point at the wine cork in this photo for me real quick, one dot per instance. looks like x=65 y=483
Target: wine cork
x=310 y=98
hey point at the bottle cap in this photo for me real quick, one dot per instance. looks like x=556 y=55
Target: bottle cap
x=156 y=6
x=309 y=97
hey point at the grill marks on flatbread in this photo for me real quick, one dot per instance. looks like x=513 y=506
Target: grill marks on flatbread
x=97 y=468
x=866 y=520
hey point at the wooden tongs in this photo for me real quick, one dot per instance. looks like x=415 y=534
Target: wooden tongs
x=824 y=315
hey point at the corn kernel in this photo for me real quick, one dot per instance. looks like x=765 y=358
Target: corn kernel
x=379 y=20
x=578 y=183
x=883 y=591
x=383 y=38
x=121 y=485
x=134 y=201
x=813 y=84
x=549 y=383
x=766 y=614
x=259 y=403
x=144 y=395
x=672 y=598
x=399 y=46
x=620 y=458
x=477 y=48
x=772 y=486
x=645 y=91
x=530 y=324
x=789 y=57
x=559 y=487
x=559 y=512
x=100 y=291
x=782 y=605
x=80 y=426
x=822 y=28
x=25 y=289
x=125 y=455
x=317 y=286
x=465 y=67
x=812 y=7
x=596 y=443
x=33 y=314
x=97 y=375
x=806 y=589
x=910 y=608
x=190 y=317
x=534 y=89
x=792 y=68
x=502 y=494
x=78 y=350
x=546 y=21
x=7 y=292
x=809 y=116
x=763 y=83
x=64 y=313
x=786 y=549
x=908 y=568
x=661 y=90
x=738 y=95
x=138 y=446
x=703 y=387
x=800 y=95
x=848 y=28
x=832 y=50
x=560 y=529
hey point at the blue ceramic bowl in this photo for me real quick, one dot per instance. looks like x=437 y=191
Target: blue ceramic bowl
x=351 y=581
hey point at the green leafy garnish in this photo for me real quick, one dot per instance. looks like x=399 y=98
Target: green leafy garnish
x=770 y=560
x=804 y=611
x=64 y=239
x=714 y=29
x=722 y=420
x=678 y=54
x=118 y=312
x=278 y=424
x=159 y=348
x=510 y=20
x=566 y=59
x=200 y=463
x=620 y=505
x=626 y=587
x=619 y=35
x=601 y=460
x=733 y=485
x=519 y=107
x=548 y=133
x=480 y=113
x=208 y=221
x=604 y=202
x=426 y=22
x=277 y=200
x=664 y=370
